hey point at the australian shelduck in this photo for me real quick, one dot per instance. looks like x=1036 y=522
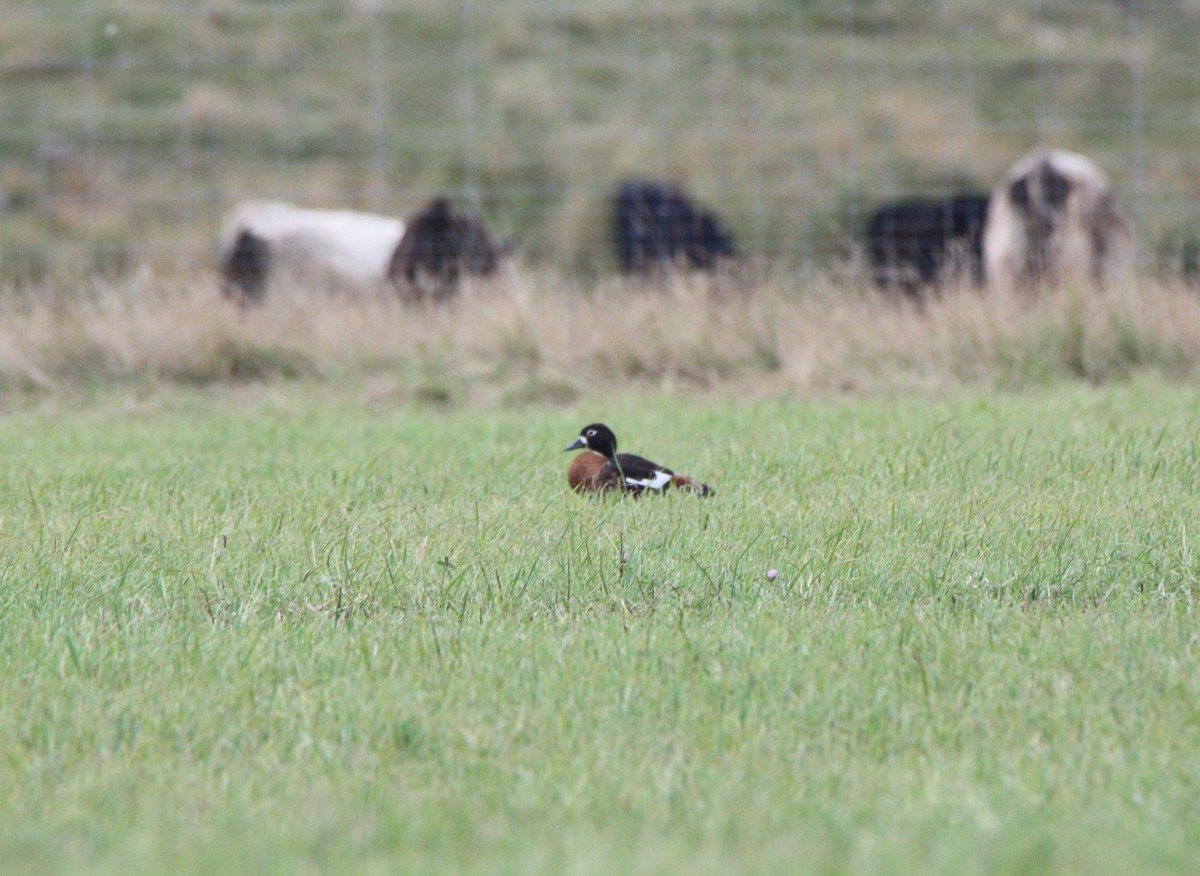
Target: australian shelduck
x=600 y=468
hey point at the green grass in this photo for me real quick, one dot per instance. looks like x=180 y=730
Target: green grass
x=291 y=629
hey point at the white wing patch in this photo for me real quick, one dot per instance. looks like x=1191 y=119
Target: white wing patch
x=660 y=480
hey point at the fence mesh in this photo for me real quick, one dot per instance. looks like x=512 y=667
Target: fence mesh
x=128 y=128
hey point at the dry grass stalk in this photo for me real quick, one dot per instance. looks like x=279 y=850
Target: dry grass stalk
x=781 y=334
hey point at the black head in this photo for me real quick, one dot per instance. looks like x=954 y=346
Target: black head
x=597 y=437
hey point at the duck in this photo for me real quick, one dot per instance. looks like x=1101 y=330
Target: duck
x=600 y=468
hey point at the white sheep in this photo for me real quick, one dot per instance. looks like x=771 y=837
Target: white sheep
x=266 y=245
x=1053 y=218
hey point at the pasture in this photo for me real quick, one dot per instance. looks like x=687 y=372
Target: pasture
x=300 y=587
x=303 y=626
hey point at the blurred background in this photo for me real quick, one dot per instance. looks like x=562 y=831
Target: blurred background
x=128 y=128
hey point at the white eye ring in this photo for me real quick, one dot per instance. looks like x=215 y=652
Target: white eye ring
x=591 y=433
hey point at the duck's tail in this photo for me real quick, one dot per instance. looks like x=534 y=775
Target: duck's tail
x=687 y=485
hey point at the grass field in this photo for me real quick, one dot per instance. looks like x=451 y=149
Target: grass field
x=301 y=588
x=294 y=627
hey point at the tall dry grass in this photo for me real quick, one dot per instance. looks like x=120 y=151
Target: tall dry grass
x=542 y=337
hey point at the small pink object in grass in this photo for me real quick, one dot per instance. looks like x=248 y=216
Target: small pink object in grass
x=772 y=574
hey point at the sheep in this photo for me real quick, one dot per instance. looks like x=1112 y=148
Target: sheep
x=267 y=245
x=442 y=243
x=655 y=226
x=1054 y=218
x=923 y=242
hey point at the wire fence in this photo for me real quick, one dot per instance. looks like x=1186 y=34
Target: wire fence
x=128 y=128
